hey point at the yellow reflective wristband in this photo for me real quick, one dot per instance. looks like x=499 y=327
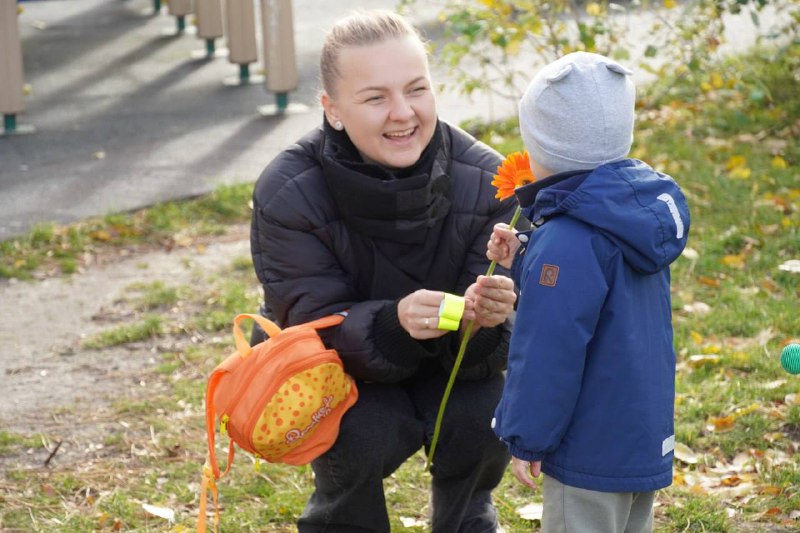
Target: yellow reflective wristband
x=450 y=311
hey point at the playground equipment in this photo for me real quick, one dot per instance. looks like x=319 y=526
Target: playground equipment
x=241 y=31
x=12 y=93
x=180 y=8
x=280 y=65
x=209 y=22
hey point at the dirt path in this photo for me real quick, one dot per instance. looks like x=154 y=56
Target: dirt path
x=51 y=385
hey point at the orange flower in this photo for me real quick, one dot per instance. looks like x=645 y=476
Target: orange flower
x=514 y=172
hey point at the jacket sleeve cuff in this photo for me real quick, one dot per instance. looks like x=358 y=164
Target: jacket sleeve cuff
x=395 y=343
x=525 y=455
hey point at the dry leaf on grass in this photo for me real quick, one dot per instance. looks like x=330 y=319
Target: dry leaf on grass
x=532 y=511
x=161 y=512
x=685 y=454
x=408 y=521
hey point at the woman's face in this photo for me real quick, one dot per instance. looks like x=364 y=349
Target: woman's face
x=385 y=101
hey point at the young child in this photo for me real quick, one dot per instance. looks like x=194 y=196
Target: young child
x=591 y=373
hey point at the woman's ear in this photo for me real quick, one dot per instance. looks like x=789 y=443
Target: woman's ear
x=330 y=109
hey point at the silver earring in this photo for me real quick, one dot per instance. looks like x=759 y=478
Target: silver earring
x=338 y=126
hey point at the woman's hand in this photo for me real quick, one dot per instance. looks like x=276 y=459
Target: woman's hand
x=502 y=245
x=419 y=314
x=525 y=471
x=490 y=300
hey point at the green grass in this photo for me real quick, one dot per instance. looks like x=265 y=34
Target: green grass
x=49 y=249
x=149 y=327
x=11 y=443
x=736 y=156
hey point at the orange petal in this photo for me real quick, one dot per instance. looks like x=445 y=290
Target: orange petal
x=515 y=171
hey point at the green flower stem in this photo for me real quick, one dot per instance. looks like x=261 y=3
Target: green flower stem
x=461 y=349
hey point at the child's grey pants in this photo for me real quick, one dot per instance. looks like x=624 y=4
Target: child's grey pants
x=573 y=510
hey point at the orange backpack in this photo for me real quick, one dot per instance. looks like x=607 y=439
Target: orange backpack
x=281 y=400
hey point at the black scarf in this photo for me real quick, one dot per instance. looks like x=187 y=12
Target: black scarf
x=400 y=206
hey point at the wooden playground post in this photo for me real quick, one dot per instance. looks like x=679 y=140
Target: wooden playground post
x=180 y=8
x=209 y=22
x=12 y=94
x=280 y=64
x=241 y=31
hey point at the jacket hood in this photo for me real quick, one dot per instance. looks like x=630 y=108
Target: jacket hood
x=641 y=210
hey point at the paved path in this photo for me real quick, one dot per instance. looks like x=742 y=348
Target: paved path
x=125 y=116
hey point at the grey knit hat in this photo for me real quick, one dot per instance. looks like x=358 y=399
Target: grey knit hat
x=577 y=113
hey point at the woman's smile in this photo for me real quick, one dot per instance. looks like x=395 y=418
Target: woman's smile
x=400 y=136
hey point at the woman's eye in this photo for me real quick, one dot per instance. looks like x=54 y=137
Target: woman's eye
x=374 y=99
x=418 y=90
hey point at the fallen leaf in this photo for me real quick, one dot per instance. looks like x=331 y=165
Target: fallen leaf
x=698 y=490
x=408 y=521
x=734 y=260
x=701 y=360
x=736 y=161
x=724 y=423
x=100 y=235
x=741 y=173
x=774 y=384
x=770 y=490
x=792 y=265
x=697 y=308
x=741 y=489
x=690 y=254
x=685 y=454
x=770 y=286
x=708 y=281
x=792 y=399
x=532 y=511
x=778 y=162
x=731 y=481
x=161 y=512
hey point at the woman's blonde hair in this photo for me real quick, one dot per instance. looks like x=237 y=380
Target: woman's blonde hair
x=360 y=29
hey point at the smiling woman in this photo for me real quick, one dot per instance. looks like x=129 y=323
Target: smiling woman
x=386 y=106
x=379 y=213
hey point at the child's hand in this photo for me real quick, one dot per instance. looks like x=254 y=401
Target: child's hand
x=490 y=300
x=525 y=471
x=502 y=245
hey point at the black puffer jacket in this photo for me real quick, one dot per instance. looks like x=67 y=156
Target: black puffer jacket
x=327 y=237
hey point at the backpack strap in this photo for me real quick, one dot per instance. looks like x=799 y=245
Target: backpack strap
x=207 y=483
x=326 y=321
x=211 y=470
x=211 y=416
x=242 y=346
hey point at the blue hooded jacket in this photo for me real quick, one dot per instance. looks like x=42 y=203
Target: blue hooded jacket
x=591 y=372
